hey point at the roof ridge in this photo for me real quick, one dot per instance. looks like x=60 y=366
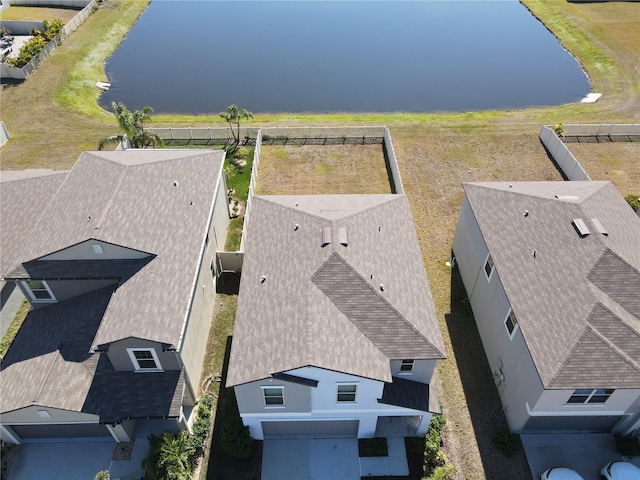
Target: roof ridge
x=384 y=300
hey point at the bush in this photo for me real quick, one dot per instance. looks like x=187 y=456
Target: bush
x=627 y=445
x=235 y=438
x=442 y=473
x=170 y=457
x=37 y=44
x=102 y=475
x=634 y=201
x=506 y=441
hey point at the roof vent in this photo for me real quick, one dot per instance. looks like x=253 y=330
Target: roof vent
x=580 y=227
x=175 y=183
x=342 y=236
x=296 y=227
x=326 y=236
x=599 y=227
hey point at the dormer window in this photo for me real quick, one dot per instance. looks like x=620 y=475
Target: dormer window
x=38 y=291
x=144 y=359
x=406 y=366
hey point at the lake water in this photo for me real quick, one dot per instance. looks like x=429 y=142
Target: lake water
x=197 y=57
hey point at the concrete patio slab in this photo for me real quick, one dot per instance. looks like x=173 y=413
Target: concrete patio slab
x=76 y=459
x=310 y=459
x=585 y=453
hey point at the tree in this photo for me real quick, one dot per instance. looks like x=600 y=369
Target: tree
x=233 y=116
x=170 y=457
x=132 y=123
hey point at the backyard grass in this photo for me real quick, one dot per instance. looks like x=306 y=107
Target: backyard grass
x=37 y=14
x=14 y=328
x=311 y=169
x=54 y=115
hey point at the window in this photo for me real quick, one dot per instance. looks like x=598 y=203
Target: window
x=598 y=395
x=406 y=366
x=347 y=393
x=144 y=359
x=488 y=267
x=511 y=323
x=273 y=396
x=39 y=291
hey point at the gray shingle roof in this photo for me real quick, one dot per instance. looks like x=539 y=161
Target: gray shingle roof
x=154 y=201
x=53 y=367
x=299 y=315
x=24 y=194
x=576 y=300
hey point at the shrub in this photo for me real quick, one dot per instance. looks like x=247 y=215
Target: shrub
x=444 y=472
x=634 y=201
x=37 y=44
x=170 y=457
x=627 y=445
x=506 y=441
x=559 y=129
x=102 y=475
x=235 y=438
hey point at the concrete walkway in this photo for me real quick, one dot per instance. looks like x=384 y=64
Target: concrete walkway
x=329 y=459
x=310 y=459
x=395 y=464
x=79 y=460
x=10 y=302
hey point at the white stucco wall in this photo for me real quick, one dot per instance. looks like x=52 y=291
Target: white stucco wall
x=324 y=404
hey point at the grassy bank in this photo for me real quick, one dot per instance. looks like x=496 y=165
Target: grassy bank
x=54 y=114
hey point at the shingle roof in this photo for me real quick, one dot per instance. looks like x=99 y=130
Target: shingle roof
x=24 y=194
x=576 y=300
x=316 y=304
x=53 y=367
x=154 y=201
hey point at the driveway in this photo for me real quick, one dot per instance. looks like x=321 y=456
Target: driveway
x=79 y=460
x=585 y=453
x=310 y=459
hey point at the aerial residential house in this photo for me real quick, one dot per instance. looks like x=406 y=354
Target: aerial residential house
x=552 y=273
x=336 y=332
x=119 y=265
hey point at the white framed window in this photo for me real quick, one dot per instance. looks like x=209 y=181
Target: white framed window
x=145 y=359
x=347 y=393
x=406 y=366
x=511 y=323
x=488 y=267
x=39 y=291
x=273 y=396
x=590 y=396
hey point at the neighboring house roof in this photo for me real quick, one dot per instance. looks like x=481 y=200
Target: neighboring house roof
x=54 y=368
x=24 y=194
x=303 y=304
x=577 y=299
x=153 y=201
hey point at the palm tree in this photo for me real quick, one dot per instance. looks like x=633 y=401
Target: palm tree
x=170 y=457
x=233 y=116
x=132 y=123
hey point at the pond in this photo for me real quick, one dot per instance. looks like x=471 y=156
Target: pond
x=197 y=57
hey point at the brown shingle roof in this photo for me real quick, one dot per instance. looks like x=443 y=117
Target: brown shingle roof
x=299 y=314
x=559 y=294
